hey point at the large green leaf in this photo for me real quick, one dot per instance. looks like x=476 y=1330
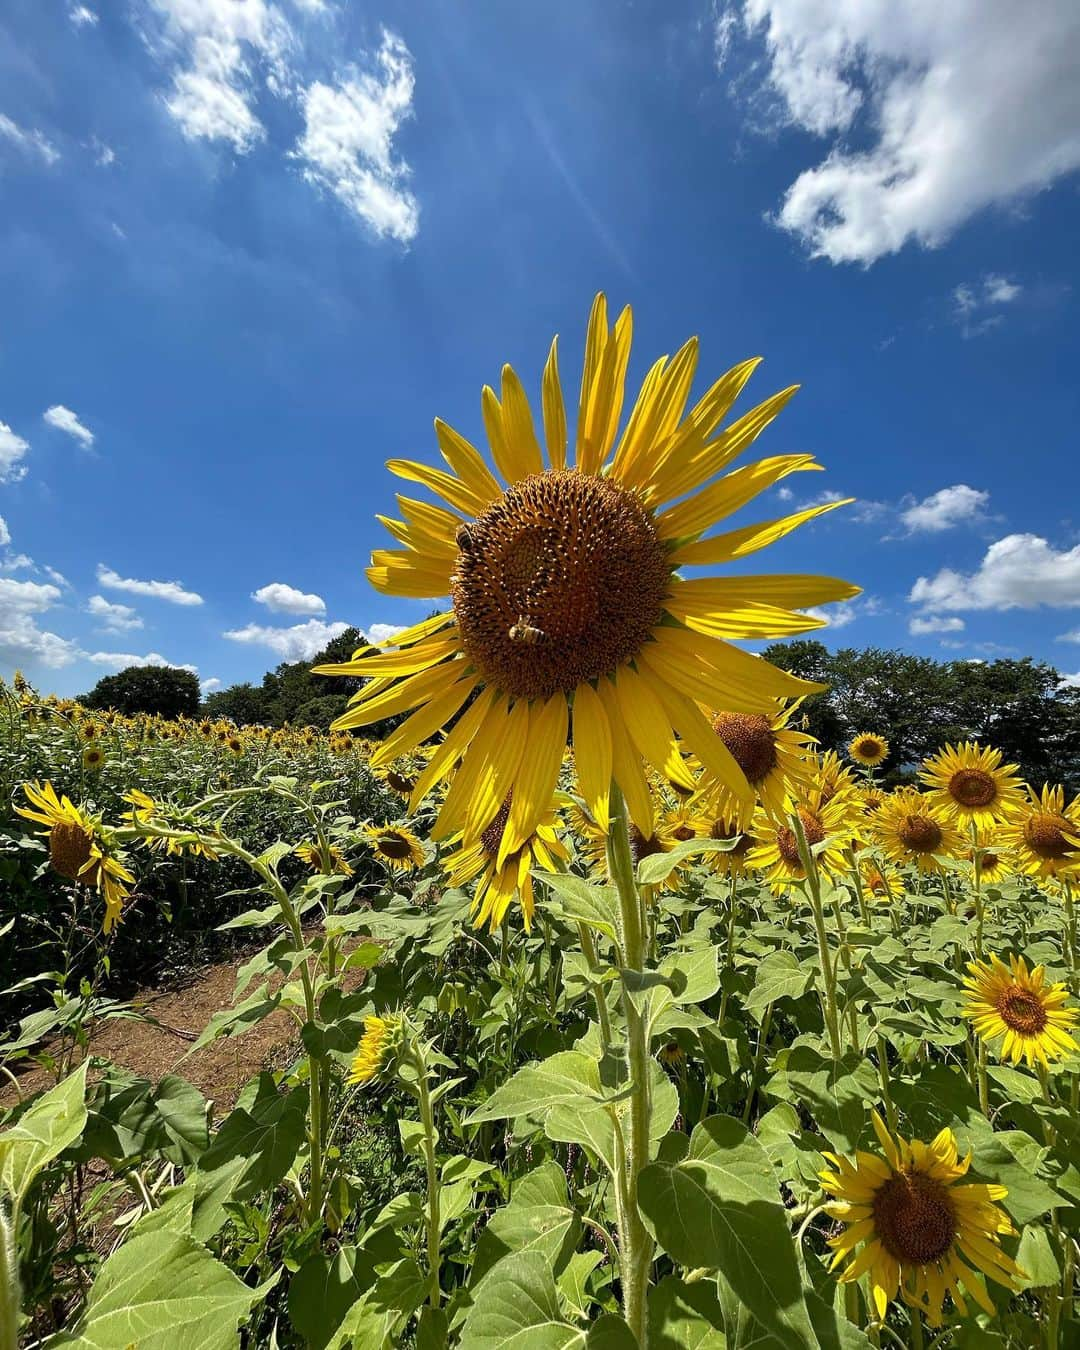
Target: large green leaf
x=162 y=1291
x=567 y=1077
x=685 y=1316
x=324 y=1289
x=265 y=1137
x=657 y=867
x=519 y=1310
x=47 y=1127
x=779 y=976
x=375 y=1321
x=595 y=906
x=719 y=1208
x=837 y=1093
x=537 y=1219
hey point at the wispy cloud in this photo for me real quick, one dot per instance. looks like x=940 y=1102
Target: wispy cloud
x=977 y=305
x=300 y=642
x=34 y=143
x=945 y=509
x=13 y=450
x=172 y=591
x=63 y=419
x=113 y=618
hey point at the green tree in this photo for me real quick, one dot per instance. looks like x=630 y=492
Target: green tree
x=147 y=689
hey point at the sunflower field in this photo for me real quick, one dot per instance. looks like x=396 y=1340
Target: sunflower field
x=623 y=1015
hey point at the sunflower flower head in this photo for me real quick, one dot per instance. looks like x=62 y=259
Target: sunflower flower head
x=396 y=846
x=1043 y=834
x=776 y=850
x=970 y=783
x=910 y=828
x=568 y=613
x=380 y=1046
x=772 y=757
x=868 y=749
x=334 y=862
x=1019 y=1006
x=921 y=1235
x=93 y=758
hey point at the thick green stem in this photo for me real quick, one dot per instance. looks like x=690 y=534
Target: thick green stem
x=813 y=886
x=635 y=1243
x=434 y=1218
x=10 y=1288
x=860 y=894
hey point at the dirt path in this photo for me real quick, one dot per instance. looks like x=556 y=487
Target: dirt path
x=219 y=1070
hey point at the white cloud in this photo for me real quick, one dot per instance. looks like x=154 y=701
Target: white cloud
x=383 y=632
x=299 y=643
x=935 y=623
x=121 y=660
x=82 y=16
x=965 y=105
x=836 y=616
x=284 y=599
x=173 y=591
x=29 y=142
x=208 y=686
x=12 y=450
x=5 y=533
x=347 y=145
x=56 y=576
x=21 y=641
x=977 y=304
x=1021 y=571
x=944 y=509
x=114 y=618
x=104 y=154
x=63 y=419
x=1070 y=681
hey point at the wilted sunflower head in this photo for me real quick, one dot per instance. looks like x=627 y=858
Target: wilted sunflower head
x=868 y=749
x=971 y=784
x=566 y=597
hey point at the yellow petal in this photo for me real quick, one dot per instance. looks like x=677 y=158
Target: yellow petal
x=424 y=723
x=722 y=548
x=592 y=753
x=538 y=772
x=728 y=494
x=448 y=487
x=467 y=462
x=554 y=409
x=626 y=766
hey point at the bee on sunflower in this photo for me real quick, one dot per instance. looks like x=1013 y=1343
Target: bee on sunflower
x=80 y=847
x=567 y=606
x=911 y=829
x=396 y=846
x=1043 y=834
x=498 y=884
x=970 y=783
x=924 y=1236
x=1018 y=1005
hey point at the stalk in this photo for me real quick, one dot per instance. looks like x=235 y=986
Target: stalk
x=434 y=1218
x=635 y=1243
x=813 y=886
x=10 y=1288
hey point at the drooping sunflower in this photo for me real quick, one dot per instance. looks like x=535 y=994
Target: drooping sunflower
x=80 y=847
x=774 y=759
x=970 y=782
x=396 y=846
x=498 y=884
x=1017 y=1004
x=924 y=1236
x=399 y=775
x=868 y=749
x=911 y=829
x=776 y=852
x=335 y=862
x=830 y=776
x=145 y=810
x=1043 y=834
x=379 y=1045
x=566 y=599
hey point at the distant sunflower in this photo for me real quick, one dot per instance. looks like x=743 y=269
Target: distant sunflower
x=868 y=749
x=1017 y=1004
x=1044 y=834
x=399 y=776
x=89 y=731
x=871 y=798
x=567 y=602
x=234 y=744
x=776 y=852
x=880 y=883
x=80 y=848
x=397 y=846
x=669 y=828
x=774 y=759
x=920 y=1229
x=93 y=758
x=995 y=862
x=971 y=784
x=380 y=1043
x=911 y=829
x=335 y=862
x=499 y=884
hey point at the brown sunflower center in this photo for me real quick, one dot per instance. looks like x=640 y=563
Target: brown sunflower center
x=69 y=849
x=683 y=832
x=919 y=833
x=972 y=787
x=914 y=1218
x=988 y=862
x=869 y=746
x=492 y=836
x=1044 y=834
x=559 y=581
x=1021 y=1011
x=788 y=845
x=642 y=847
x=877 y=883
x=751 y=740
x=393 y=845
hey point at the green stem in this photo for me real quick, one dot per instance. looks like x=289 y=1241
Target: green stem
x=813 y=880
x=10 y=1288
x=883 y=1078
x=729 y=943
x=759 y=1058
x=588 y=950
x=860 y=895
x=635 y=1242
x=434 y=1218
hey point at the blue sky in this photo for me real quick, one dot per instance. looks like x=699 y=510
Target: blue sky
x=250 y=248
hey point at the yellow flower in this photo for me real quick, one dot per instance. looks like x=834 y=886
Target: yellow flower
x=922 y=1233
x=995 y=862
x=399 y=776
x=397 y=846
x=93 y=758
x=234 y=744
x=312 y=855
x=774 y=759
x=880 y=883
x=79 y=848
x=776 y=852
x=1044 y=834
x=379 y=1044
x=566 y=595
x=731 y=862
x=671 y=1053
x=88 y=731
x=911 y=829
x=146 y=809
x=1017 y=1004
x=830 y=777
x=868 y=749
x=971 y=784
x=499 y=883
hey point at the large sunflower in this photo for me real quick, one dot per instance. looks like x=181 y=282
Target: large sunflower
x=910 y=829
x=498 y=882
x=566 y=598
x=773 y=758
x=80 y=848
x=919 y=1228
x=1017 y=1004
x=1043 y=834
x=970 y=782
